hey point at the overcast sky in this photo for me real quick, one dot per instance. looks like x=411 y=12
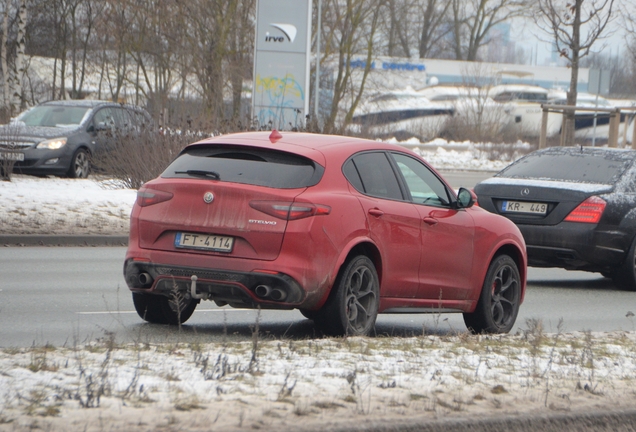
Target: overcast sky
x=533 y=39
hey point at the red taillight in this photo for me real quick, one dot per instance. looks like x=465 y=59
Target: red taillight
x=589 y=211
x=289 y=210
x=148 y=197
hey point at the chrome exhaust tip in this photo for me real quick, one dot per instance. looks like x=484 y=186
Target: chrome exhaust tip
x=278 y=294
x=145 y=279
x=263 y=291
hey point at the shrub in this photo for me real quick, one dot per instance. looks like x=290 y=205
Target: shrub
x=8 y=146
x=138 y=157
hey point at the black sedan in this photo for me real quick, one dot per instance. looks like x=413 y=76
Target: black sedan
x=575 y=206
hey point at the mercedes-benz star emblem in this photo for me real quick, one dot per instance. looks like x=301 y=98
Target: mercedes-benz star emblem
x=208 y=197
x=525 y=191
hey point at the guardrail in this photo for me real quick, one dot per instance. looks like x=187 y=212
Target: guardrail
x=614 y=125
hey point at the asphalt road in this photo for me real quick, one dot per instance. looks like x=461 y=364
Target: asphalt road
x=76 y=294
x=467 y=179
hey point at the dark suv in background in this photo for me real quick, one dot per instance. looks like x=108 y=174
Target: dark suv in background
x=60 y=137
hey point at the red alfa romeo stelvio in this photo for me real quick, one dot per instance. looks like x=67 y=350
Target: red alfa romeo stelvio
x=340 y=228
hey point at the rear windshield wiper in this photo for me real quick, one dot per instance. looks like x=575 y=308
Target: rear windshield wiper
x=202 y=173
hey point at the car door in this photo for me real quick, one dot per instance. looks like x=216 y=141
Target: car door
x=104 y=129
x=446 y=258
x=394 y=223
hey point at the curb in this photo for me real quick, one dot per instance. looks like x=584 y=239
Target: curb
x=576 y=421
x=21 y=240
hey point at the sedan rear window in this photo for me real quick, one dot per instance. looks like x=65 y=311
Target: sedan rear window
x=246 y=165
x=584 y=165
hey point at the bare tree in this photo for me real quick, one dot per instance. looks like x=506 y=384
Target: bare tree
x=17 y=100
x=351 y=29
x=4 y=56
x=209 y=28
x=154 y=45
x=434 y=14
x=473 y=20
x=629 y=60
x=83 y=15
x=115 y=41
x=398 y=27
x=413 y=26
x=565 y=23
x=241 y=50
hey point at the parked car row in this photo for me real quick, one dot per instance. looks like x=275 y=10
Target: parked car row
x=343 y=228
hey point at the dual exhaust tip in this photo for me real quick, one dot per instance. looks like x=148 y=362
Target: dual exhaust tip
x=267 y=292
x=262 y=291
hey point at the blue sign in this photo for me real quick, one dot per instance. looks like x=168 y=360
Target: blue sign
x=396 y=66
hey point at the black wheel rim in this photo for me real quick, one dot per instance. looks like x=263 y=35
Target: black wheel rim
x=360 y=298
x=504 y=298
x=81 y=165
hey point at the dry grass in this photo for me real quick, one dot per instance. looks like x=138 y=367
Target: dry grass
x=265 y=384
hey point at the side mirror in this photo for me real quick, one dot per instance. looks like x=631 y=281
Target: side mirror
x=100 y=127
x=465 y=198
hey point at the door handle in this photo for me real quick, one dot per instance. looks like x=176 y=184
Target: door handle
x=376 y=212
x=430 y=221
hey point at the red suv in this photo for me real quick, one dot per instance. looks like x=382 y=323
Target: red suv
x=340 y=228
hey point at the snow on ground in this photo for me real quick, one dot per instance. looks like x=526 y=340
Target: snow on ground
x=319 y=384
x=288 y=384
x=33 y=205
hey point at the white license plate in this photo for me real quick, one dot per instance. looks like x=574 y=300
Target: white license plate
x=524 y=207
x=204 y=241
x=12 y=156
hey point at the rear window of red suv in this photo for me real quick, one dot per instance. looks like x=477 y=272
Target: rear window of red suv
x=247 y=165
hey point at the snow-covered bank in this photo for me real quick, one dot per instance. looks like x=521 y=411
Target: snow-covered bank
x=313 y=384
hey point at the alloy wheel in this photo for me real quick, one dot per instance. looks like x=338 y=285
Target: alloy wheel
x=360 y=298
x=504 y=296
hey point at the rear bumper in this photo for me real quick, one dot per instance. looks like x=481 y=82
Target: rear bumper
x=236 y=288
x=575 y=246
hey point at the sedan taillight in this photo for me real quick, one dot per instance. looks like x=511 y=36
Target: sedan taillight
x=148 y=197
x=289 y=210
x=589 y=211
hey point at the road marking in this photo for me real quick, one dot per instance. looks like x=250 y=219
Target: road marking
x=134 y=312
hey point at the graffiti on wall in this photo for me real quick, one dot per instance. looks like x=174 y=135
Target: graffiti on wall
x=278 y=101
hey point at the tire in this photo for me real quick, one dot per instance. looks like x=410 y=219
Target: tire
x=158 y=309
x=309 y=314
x=498 y=303
x=625 y=276
x=80 y=164
x=352 y=307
